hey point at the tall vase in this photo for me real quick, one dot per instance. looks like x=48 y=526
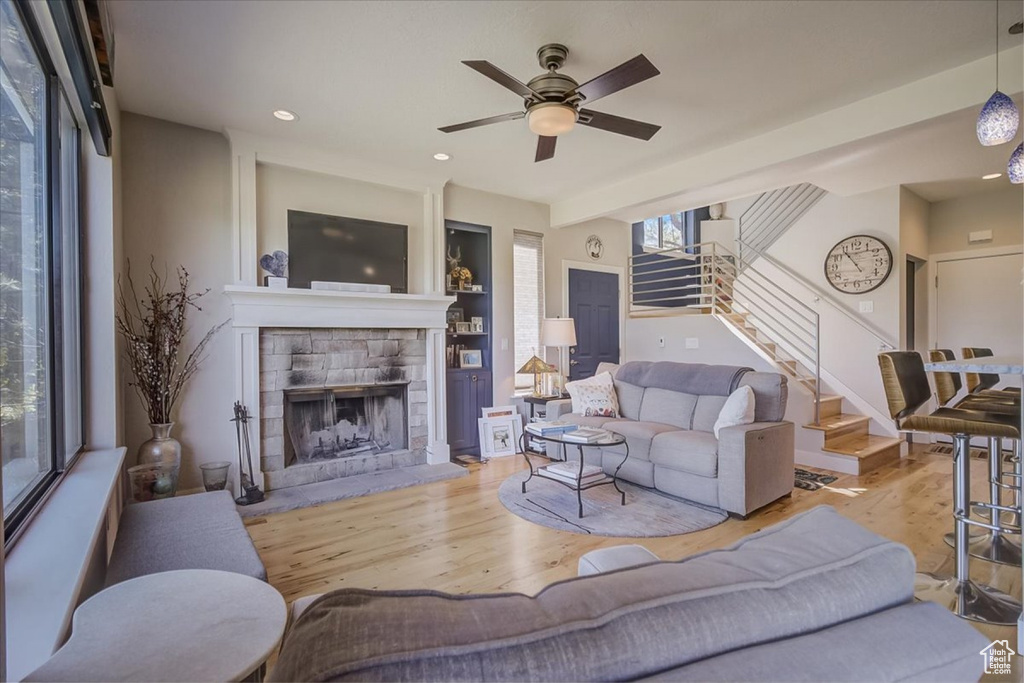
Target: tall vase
x=165 y=451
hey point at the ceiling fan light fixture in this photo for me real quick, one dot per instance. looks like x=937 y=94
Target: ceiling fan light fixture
x=552 y=119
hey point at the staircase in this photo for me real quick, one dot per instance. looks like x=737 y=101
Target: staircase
x=772 y=214
x=771 y=321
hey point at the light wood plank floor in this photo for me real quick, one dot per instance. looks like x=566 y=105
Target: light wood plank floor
x=456 y=536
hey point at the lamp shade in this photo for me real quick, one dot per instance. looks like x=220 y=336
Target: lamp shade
x=534 y=366
x=998 y=120
x=551 y=119
x=1015 y=169
x=558 y=332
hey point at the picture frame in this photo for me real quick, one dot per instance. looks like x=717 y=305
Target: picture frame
x=463 y=327
x=499 y=411
x=476 y=324
x=476 y=288
x=499 y=436
x=454 y=315
x=471 y=358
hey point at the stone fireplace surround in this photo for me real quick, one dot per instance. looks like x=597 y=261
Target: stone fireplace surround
x=305 y=358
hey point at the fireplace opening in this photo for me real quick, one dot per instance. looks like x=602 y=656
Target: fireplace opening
x=339 y=422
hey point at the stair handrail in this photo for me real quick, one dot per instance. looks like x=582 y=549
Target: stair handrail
x=819 y=294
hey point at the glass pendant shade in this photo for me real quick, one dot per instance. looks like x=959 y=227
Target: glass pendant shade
x=998 y=120
x=551 y=120
x=1015 y=169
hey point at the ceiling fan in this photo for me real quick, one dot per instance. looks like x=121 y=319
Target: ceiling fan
x=552 y=101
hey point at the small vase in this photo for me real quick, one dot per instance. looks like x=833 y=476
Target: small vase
x=165 y=451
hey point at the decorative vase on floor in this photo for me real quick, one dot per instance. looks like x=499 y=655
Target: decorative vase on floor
x=165 y=450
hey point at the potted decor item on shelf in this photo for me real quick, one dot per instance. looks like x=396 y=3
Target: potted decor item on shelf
x=153 y=323
x=458 y=275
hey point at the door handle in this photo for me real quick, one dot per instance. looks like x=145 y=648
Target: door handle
x=574 y=362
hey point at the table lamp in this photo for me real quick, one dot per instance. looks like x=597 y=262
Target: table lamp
x=560 y=333
x=535 y=366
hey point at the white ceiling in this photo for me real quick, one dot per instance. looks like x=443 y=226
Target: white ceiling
x=938 y=159
x=374 y=80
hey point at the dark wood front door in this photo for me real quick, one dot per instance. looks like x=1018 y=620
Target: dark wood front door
x=594 y=305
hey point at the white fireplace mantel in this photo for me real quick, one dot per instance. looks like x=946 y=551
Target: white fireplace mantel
x=264 y=307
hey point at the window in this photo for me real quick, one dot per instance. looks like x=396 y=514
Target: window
x=40 y=271
x=674 y=230
x=528 y=273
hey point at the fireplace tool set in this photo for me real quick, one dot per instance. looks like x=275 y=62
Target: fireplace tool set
x=250 y=492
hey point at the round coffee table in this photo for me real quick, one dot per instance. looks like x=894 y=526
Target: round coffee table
x=577 y=485
x=184 y=625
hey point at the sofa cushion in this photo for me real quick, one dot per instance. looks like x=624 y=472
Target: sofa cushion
x=630 y=397
x=590 y=420
x=805 y=574
x=668 y=407
x=771 y=392
x=706 y=413
x=690 y=378
x=686 y=451
x=201 y=531
x=639 y=435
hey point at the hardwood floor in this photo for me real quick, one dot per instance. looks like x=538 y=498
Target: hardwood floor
x=455 y=536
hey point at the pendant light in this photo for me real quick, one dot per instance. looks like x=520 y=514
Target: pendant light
x=1015 y=169
x=999 y=118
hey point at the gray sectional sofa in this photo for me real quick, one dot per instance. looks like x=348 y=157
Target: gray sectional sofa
x=814 y=598
x=668 y=412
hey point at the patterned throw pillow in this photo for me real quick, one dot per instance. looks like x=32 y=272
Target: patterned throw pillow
x=594 y=397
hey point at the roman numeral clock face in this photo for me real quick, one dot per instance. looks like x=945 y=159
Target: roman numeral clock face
x=858 y=264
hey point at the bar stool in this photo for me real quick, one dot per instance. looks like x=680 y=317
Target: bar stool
x=993 y=545
x=906 y=390
x=983 y=381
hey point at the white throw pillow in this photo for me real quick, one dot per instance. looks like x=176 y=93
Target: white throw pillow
x=594 y=396
x=738 y=409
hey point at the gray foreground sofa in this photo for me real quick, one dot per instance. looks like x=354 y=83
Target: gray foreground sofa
x=201 y=531
x=816 y=598
x=668 y=413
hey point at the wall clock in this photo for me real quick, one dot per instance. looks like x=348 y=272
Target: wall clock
x=595 y=248
x=858 y=264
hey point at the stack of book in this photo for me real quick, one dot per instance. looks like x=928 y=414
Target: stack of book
x=586 y=435
x=569 y=471
x=550 y=428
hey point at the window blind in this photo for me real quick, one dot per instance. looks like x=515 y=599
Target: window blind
x=528 y=279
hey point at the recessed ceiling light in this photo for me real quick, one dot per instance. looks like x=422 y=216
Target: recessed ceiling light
x=285 y=115
x=991 y=176
x=441 y=156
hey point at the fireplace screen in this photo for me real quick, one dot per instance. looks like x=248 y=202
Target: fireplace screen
x=338 y=422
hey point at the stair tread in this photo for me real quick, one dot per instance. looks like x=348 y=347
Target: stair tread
x=861 y=445
x=830 y=397
x=838 y=421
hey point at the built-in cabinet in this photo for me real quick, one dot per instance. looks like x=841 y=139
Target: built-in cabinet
x=469 y=388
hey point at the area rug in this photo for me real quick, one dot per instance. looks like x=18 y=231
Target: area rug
x=812 y=481
x=647 y=513
x=322 y=492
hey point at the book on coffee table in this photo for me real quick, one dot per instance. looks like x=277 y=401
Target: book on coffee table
x=586 y=435
x=550 y=428
x=570 y=470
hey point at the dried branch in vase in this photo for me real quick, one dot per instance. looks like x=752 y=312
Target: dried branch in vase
x=154 y=326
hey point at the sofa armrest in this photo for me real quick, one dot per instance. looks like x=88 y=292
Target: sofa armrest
x=755 y=465
x=556 y=409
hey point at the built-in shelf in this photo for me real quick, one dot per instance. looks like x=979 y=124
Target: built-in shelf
x=468 y=334
x=465 y=291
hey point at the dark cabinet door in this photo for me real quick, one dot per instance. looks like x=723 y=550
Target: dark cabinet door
x=468 y=392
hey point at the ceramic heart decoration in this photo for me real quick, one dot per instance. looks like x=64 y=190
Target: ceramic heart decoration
x=276 y=264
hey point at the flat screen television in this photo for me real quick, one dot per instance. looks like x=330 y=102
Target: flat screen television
x=338 y=249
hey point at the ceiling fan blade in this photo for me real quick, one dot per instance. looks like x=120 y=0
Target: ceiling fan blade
x=545 y=147
x=483 y=122
x=634 y=71
x=503 y=79
x=618 y=124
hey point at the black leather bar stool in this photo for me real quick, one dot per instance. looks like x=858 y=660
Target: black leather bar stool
x=984 y=382
x=992 y=545
x=906 y=391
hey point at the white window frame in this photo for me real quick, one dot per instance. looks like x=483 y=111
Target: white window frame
x=523 y=239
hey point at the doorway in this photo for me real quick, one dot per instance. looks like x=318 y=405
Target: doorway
x=594 y=305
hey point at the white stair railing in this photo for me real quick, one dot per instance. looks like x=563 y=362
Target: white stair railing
x=709 y=277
